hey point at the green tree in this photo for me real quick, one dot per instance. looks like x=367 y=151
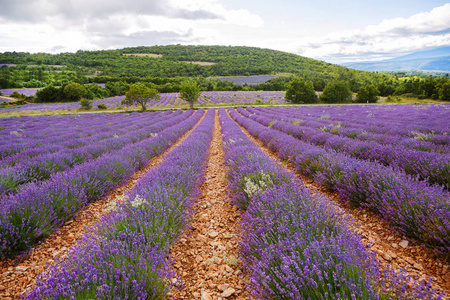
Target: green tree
x=74 y=91
x=336 y=92
x=190 y=92
x=367 y=94
x=140 y=94
x=301 y=91
x=444 y=91
x=86 y=104
x=48 y=94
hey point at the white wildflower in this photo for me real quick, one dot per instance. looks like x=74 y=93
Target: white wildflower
x=138 y=201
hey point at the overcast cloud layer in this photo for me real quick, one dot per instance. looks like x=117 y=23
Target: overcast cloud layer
x=70 y=25
x=390 y=38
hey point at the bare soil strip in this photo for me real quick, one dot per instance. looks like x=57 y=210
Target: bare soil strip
x=390 y=246
x=17 y=276
x=206 y=254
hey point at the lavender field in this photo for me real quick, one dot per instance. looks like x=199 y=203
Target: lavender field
x=392 y=161
x=167 y=100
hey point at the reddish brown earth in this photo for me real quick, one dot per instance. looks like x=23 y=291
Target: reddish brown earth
x=207 y=254
x=391 y=247
x=17 y=276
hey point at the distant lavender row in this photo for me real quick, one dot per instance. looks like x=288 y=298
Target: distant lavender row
x=38 y=209
x=242 y=97
x=112 y=102
x=412 y=206
x=358 y=129
x=25 y=91
x=43 y=165
x=249 y=80
x=295 y=244
x=31 y=91
x=422 y=122
x=126 y=257
x=32 y=134
x=431 y=166
x=425 y=118
x=167 y=100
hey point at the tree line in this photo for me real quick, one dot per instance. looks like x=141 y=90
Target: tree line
x=300 y=90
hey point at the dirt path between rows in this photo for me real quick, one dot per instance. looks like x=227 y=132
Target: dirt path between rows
x=17 y=276
x=390 y=246
x=207 y=254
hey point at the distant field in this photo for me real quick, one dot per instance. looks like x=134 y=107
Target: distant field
x=25 y=91
x=167 y=100
x=144 y=55
x=249 y=80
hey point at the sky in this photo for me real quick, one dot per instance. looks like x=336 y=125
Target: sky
x=330 y=30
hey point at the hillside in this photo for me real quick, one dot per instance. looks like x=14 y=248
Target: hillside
x=431 y=60
x=178 y=60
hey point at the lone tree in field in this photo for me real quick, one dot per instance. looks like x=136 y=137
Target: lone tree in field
x=190 y=92
x=301 y=91
x=367 y=94
x=336 y=92
x=140 y=94
x=74 y=91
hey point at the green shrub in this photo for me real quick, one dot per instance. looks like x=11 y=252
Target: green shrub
x=86 y=104
x=102 y=106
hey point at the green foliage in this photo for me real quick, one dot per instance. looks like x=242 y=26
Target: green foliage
x=12 y=103
x=392 y=99
x=140 y=94
x=96 y=92
x=117 y=88
x=86 y=104
x=17 y=95
x=49 y=94
x=367 y=94
x=190 y=92
x=32 y=76
x=74 y=91
x=444 y=92
x=336 y=92
x=227 y=61
x=301 y=91
x=102 y=106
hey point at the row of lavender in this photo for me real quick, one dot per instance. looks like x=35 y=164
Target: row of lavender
x=40 y=208
x=386 y=123
x=412 y=206
x=431 y=166
x=296 y=245
x=28 y=137
x=38 y=164
x=126 y=255
x=357 y=131
x=30 y=131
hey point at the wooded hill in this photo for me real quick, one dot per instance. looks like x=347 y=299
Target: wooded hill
x=176 y=60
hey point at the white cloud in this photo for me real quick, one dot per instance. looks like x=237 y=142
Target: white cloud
x=69 y=25
x=390 y=38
